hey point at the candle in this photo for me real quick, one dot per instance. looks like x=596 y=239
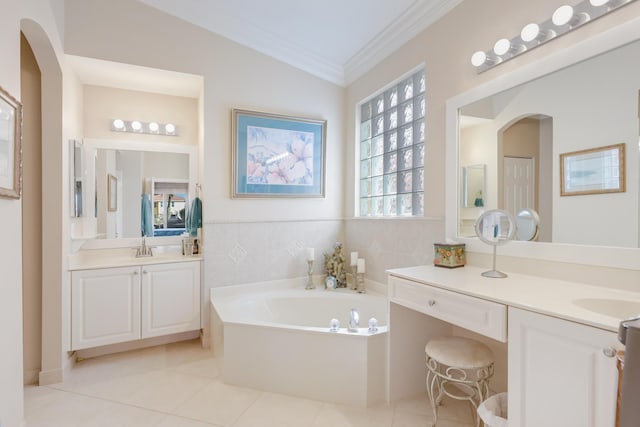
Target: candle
x=360 y=265
x=354 y=258
x=310 y=254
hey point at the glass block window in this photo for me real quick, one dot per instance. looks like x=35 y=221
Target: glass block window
x=392 y=150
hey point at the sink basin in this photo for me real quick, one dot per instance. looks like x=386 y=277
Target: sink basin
x=618 y=308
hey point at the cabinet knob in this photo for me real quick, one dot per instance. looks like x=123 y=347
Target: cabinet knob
x=609 y=351
x=431 y=302
x=144 y=271
x=135 y=273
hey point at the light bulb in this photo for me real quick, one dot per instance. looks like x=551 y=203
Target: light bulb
x=136 y=125
x=597 y=3
x=118 y=124
x=153 y=127
x=169 y=128
x=562 y=15
x=501 y=47
x=530 y=32
x=478 y=58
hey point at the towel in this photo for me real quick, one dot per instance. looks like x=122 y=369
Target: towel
x=146 y=219
x=194 y=219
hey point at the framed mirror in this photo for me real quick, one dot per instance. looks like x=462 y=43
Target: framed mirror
x=503 y=103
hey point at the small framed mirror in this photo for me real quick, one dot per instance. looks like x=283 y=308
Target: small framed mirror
x=473 y=186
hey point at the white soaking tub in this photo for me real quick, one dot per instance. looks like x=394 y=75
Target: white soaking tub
x=276 y=336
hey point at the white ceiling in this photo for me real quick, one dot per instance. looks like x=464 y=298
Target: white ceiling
x=337 y=40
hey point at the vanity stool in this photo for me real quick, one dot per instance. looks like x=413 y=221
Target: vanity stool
x=459 y=368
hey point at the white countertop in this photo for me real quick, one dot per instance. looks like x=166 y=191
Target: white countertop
x=125 y=257
x=538 y=294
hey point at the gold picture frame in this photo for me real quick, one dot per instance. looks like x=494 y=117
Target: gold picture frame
x=10 y=146
x=112 y=193
x=593 y=171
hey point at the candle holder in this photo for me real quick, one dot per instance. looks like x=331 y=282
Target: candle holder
x=354 y=278
x=360 y=283
x=310 y=284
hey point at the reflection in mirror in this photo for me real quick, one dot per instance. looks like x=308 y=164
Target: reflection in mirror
x=520 y=134
x=137 y=172
x=170 y=202
x=75 y=177
x=473 y=186
x=527 y=222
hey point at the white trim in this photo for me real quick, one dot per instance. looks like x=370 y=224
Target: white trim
x=628 y=258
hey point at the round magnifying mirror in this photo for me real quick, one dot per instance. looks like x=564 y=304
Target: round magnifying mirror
x=495 y=227
x=527 y=222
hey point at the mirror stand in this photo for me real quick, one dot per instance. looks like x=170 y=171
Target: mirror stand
x=495 y=227
x=493 y=273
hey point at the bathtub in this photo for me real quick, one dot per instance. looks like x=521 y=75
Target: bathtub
x=276 y=337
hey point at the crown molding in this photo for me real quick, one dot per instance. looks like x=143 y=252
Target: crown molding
x=415 y=20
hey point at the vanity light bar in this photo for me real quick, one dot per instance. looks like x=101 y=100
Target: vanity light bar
x=150 y=128
x=564 y=19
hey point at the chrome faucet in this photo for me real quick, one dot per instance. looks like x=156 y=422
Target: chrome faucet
x=143 y=250
x=354 y=320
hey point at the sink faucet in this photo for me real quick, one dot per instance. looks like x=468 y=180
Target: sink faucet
x=354 y=320
x=143 y=250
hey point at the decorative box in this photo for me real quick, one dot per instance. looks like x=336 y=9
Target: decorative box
x=450 y=255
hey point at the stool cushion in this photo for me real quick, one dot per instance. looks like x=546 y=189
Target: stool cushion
x=459 y=352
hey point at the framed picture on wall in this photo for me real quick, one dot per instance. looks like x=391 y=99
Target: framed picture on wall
x=593 y=171
x=10 y=146
x=277 y=156
x=112 y=193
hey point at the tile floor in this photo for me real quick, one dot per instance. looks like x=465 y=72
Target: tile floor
x=177 y=385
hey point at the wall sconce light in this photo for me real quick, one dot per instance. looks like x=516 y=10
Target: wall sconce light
x=564 y=19
x=151 y=128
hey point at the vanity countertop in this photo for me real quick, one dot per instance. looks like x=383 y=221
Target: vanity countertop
x=538 y=294
x=125 y=257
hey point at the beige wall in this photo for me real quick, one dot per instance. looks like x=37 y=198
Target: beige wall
x=103 y=104
x=32 y=213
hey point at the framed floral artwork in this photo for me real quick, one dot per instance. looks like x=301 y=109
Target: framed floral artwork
x=10 y=146
x=277 y=156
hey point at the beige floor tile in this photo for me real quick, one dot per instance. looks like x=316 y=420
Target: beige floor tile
x=348 y=416
x=276 y=410
x=175 y=421
x=119 y=415
x=218 y=403
x=165 y=390
x=67 y=409
x=206 y=367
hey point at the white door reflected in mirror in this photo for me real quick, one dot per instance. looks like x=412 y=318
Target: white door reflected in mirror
x=495 y=227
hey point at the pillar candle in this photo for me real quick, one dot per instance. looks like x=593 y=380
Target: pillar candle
x=310 y=254
x=360 y=265
x=354 y=258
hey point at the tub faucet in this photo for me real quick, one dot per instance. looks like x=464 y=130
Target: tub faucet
x=354 y=320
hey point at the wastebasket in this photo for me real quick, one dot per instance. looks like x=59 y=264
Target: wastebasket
x=493 y=411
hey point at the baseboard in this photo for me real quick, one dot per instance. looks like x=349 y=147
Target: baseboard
x=54 y=376
x=136 y=345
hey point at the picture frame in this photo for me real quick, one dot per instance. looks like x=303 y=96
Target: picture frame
x=10 y=146
x=275 y=155
x=112 y=193
x=593 y=171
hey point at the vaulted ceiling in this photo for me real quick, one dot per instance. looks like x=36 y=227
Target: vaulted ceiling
x=337 y=40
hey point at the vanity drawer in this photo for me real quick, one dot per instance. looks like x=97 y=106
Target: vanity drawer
x=475 y=314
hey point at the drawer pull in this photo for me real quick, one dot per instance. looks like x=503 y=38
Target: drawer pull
x=609 y=351
x=135 y=273
x=431 y=302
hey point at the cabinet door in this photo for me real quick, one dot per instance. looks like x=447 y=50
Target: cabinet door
x=105 y=306
x=561 y=373
x=170 y=298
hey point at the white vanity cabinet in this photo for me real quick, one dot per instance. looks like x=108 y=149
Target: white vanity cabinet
x=105 y=306
x=170 y=298
x=113 y=305
x=561 y=373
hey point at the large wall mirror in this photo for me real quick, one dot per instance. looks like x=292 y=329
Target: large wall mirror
x=118 y=176
x=584 y=97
